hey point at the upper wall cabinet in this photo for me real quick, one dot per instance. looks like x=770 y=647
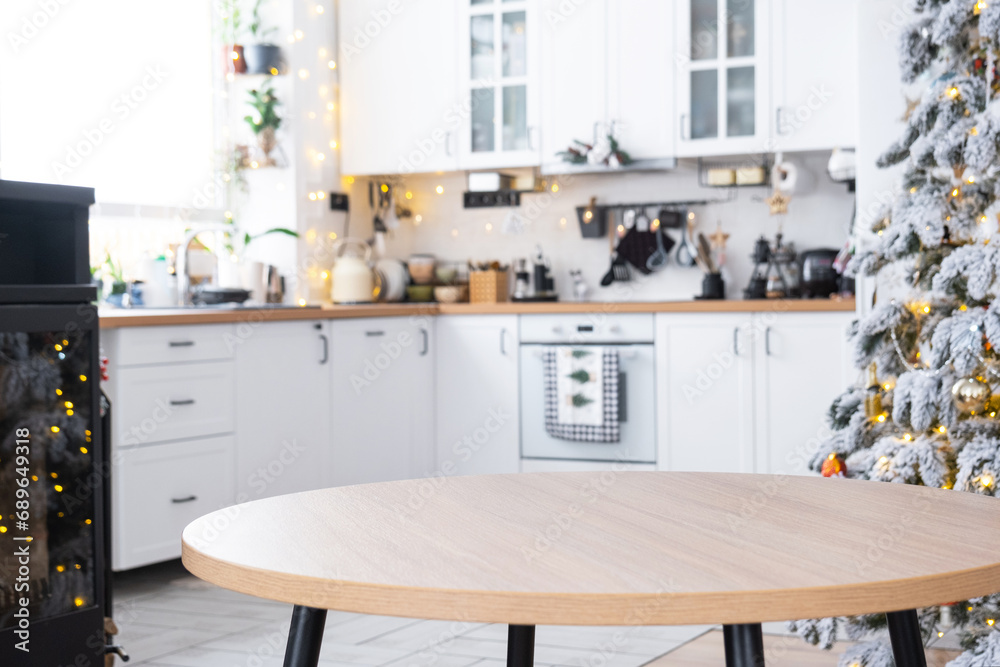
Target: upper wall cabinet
x=750 y=80
x=498 y=56
x=815 y=98
x=723 y=91
x=400 y=109
x=607 y=66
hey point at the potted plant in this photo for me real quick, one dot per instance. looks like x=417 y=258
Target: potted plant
x=232 y=24
x=113 y=275
x=262 y=57
x=265 y=122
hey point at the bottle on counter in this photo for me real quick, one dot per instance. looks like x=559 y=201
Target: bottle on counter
x=873 y=394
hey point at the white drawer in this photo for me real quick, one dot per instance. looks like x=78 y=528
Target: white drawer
x=159 y=490
x=168 y=345
x=160 y=403
x=587 y=328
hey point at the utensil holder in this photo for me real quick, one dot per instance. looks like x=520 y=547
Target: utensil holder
x=487 y=286
x=713 y=287
x=593 y=220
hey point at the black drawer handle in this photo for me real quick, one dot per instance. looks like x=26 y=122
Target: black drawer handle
x=585 y=328
x=374 y=334
x=181 y=343
x=186 y=401
x=178 y=501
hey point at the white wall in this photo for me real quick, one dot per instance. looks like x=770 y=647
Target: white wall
x=818 y=217
x=881 y=96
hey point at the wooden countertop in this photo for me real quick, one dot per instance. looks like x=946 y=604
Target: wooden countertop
x=112 y=318
x=621 y=548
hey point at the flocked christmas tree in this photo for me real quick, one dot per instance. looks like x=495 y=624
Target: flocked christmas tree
x=926 y=414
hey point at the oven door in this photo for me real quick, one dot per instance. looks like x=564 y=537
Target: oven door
x=637 y=394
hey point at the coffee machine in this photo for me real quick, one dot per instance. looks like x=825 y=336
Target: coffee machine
x=539 y=285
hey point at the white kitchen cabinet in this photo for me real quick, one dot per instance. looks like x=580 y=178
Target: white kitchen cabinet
x=551 y=465
x=748 y=392
x=723 y=84
x=400 y=110
x=160 y=489
x=705 y=387
x=382 y=405
x=799 y=370
x=282 y=407
x=607 y=65
x=815 y=74
x=477 y=395
x=499 y=69
x=574 y=75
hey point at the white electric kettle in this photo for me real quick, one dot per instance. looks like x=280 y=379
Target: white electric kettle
x=353 y=276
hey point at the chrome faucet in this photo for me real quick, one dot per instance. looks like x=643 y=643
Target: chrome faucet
x=183 y=276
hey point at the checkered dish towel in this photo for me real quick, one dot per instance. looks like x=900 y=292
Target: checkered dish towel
x=581 y=393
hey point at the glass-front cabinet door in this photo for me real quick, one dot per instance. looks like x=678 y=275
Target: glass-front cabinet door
x=723 y=87
x=500 y=83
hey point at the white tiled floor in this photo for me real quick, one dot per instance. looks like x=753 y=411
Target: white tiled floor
x=167 y=618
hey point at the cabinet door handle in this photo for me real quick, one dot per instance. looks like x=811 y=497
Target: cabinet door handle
x=447 y=144
x=183 y=401
x=326 y=349
x=685 y=136
x=532 y=144
x=503 y=342
x=188 y=499
x=767 y=341
x=374 y=334
x=181 y=343
x=427 y=342
x=736 y=341
x=779 y=126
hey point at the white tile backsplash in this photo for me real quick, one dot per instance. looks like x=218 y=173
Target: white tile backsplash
x=819 y=216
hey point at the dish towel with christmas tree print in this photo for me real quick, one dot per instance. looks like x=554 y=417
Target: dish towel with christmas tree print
x=581 y=393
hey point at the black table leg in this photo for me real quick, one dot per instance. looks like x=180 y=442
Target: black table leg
x=520 y=646
x=305 y=637
x=907 y=644
x=744 y=645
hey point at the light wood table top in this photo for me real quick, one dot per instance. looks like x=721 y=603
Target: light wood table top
x=612 y=548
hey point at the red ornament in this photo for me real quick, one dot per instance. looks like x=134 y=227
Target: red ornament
x=834 y=466
x=104 y=368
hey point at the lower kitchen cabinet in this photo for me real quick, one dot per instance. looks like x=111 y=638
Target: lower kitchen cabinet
x=799 y=369
x=705 y=385
x=552 y=465
x=382 y=403
x=748 y=393
x=159 y=489
x=477 y=430
x=282 y=407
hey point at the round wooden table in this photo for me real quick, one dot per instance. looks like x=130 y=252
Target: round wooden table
x=611 y=548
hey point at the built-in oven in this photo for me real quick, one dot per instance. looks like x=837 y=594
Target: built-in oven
x=629 y=337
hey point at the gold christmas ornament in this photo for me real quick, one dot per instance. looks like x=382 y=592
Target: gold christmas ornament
x=970 y=395
x=778 y=202
x=873 y=394
x=911 y=106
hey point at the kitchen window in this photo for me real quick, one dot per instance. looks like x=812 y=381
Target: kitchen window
x=116 y=95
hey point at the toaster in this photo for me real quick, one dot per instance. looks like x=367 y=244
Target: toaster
x=819 y=278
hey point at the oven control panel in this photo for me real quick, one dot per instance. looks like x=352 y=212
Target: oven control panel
x=588 y=328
